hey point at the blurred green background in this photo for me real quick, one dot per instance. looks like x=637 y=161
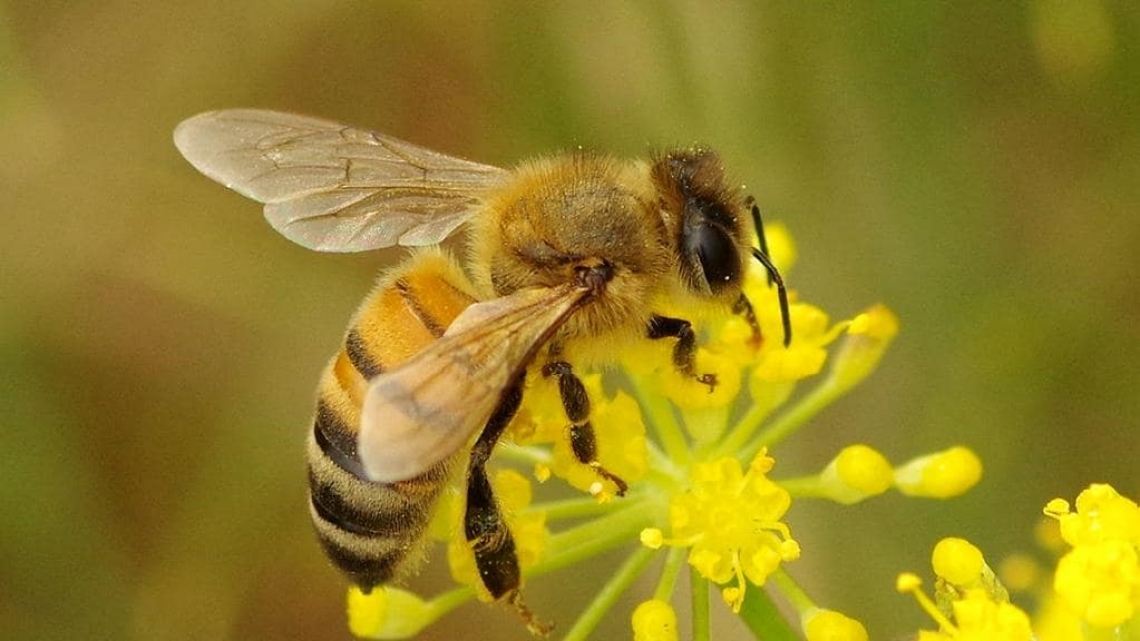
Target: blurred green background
x=977 y=168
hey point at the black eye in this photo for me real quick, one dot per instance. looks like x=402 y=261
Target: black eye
x=716 y=252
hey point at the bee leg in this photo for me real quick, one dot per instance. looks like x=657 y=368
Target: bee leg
x=496 y=557
x=483 y=524
x=685 y=351
x=576 y=403
x=743 y=307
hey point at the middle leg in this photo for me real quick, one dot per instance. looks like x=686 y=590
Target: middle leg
x=576 y=403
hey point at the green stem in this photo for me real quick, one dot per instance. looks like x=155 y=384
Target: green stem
x=1093 y=633
x=706 y=427
x=443 y=603
x=661 y=464
x=792 y=591
x=757 y=413
x=1131 y=629
x=803 y=487
x=699 y=586
x=765 y=620
x=662 y=419
x=595 y=537
x=628 y=520
x=617 y=584
x=669 y=572
x=747 y=425
x=791 y=420
x=524 y=454
x=663 y=475
x=573 y=508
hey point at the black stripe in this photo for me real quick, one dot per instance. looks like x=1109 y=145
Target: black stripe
x=430 y=324
x=364 y=570
x=388 y=515
x=336 y=440
x=358 y=355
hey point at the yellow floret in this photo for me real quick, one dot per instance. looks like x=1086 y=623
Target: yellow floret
x=829 y=625
x=940 y=475
x=858 y=472
x=654 y=620
x=958 y=561
x=386 y=613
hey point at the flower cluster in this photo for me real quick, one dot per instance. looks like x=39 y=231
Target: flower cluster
x=699 y=466
x=1098 y=579
x=1094 y=593
x=730 y=520
x=970 y=605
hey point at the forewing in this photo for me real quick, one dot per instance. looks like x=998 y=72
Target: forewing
x=335 y=188
x=421 y=412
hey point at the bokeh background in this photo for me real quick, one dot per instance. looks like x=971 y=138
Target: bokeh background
x=976 y=167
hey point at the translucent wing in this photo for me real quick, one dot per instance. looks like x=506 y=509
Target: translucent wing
x=420 y=413
x=334 y=188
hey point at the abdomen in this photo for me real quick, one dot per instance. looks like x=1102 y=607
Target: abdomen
x=372 y=531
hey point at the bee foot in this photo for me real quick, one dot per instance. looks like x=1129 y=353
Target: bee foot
x=708 y=379
x=622 y=486
x=537 y=628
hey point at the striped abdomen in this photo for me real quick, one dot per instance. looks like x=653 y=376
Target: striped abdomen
x=371 y=530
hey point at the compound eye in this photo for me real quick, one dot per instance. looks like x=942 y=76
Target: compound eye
x=719 y=260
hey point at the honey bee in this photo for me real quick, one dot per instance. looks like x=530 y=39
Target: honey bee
x=569 y=251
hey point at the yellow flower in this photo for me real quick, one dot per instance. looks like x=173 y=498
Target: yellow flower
x=971 y=605
x=654 y=620
x=1102 y=514
x=828 y=625
x=731 y=521
x=961 y=569
x=386 y=613
x=1099 y=579
x=868 y=336
x=1100 y=582
x=940 y=475
x=975 y=616
x=858 y=472
x=980 y=618
x=811 y=334
x=958 y=561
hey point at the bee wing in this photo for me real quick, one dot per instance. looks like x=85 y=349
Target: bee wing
x=423 y=411
x=334 y=188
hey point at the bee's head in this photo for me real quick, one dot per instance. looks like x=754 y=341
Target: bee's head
x=712 y=232
x=712 y=237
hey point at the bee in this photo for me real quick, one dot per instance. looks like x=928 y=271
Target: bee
x=566 y=253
